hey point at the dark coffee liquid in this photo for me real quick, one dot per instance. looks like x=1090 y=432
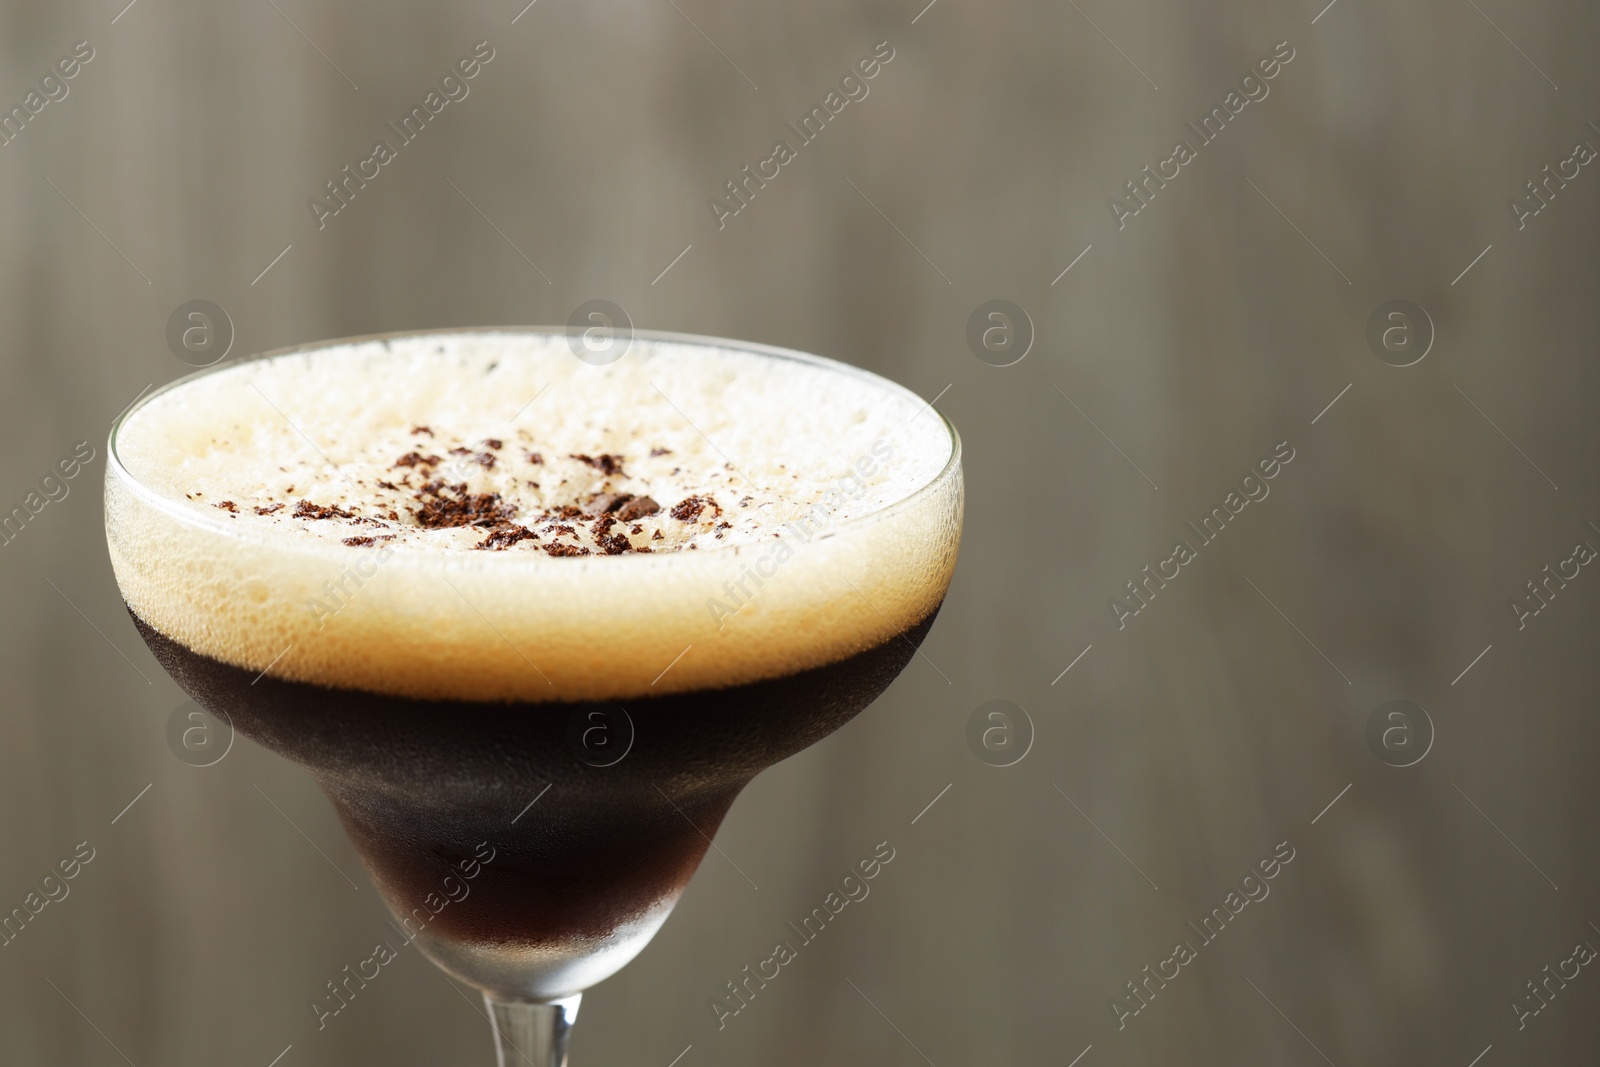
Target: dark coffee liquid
x=419 y=784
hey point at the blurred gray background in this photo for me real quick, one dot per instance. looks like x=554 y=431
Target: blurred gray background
x=1171 y=758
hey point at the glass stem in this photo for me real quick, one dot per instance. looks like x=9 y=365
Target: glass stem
x=532 y=1034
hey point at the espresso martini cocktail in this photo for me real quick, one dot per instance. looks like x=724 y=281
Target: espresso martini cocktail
x=532 y=623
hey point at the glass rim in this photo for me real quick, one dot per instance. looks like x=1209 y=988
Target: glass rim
x=175 y=510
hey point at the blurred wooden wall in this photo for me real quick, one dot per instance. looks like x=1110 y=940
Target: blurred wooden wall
x=1218 y=322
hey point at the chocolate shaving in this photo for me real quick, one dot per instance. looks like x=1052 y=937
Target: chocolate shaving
x=606 y=463
x=412 y=459
x=637 y=508
x=483 y=459
x=305 y=509
x=689 y=508
x=660 y=452
x=566 y=550
x=606 y=503
x=614 y=545
x=503 y=537
x=227 y=505
x=269 y=509
x=360 y=542
x=422 y=429
x=535 y=458
x=448 y=506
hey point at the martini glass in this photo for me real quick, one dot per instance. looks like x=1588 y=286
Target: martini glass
x=530 y=846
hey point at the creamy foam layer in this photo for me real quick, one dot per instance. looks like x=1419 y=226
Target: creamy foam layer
x=482 y=515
